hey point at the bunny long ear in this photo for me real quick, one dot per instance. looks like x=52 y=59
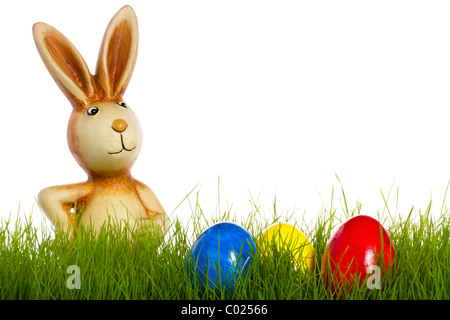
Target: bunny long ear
x=118 y=52
x=65 y=64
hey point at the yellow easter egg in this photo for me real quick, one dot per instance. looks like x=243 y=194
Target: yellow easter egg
x=284 y=237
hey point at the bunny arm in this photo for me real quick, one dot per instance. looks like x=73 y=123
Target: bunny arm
x=56 y=202
x=155 y=212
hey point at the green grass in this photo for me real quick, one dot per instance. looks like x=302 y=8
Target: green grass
x=34 y=261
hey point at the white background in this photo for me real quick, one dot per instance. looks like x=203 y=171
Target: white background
x=275 y=97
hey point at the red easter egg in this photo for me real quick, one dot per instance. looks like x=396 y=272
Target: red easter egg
x=360 y=247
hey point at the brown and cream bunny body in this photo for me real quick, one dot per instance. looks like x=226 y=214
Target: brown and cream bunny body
x=104 y=134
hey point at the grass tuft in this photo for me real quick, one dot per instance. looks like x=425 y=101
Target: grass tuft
x=35 y=263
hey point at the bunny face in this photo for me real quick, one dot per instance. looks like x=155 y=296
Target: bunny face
x=104 y=137
x=104 y=134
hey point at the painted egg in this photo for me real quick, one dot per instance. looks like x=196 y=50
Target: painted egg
x=286 y=238
x=359 y=249
x=221 y=256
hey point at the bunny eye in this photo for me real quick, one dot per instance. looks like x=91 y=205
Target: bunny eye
x=122 y=104
x=92 y=111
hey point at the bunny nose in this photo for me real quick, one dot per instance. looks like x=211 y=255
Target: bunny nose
x=119 y=125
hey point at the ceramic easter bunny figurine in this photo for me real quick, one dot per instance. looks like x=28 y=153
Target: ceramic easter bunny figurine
x=104 y=134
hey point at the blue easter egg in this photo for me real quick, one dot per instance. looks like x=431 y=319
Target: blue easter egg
x=221 y=255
